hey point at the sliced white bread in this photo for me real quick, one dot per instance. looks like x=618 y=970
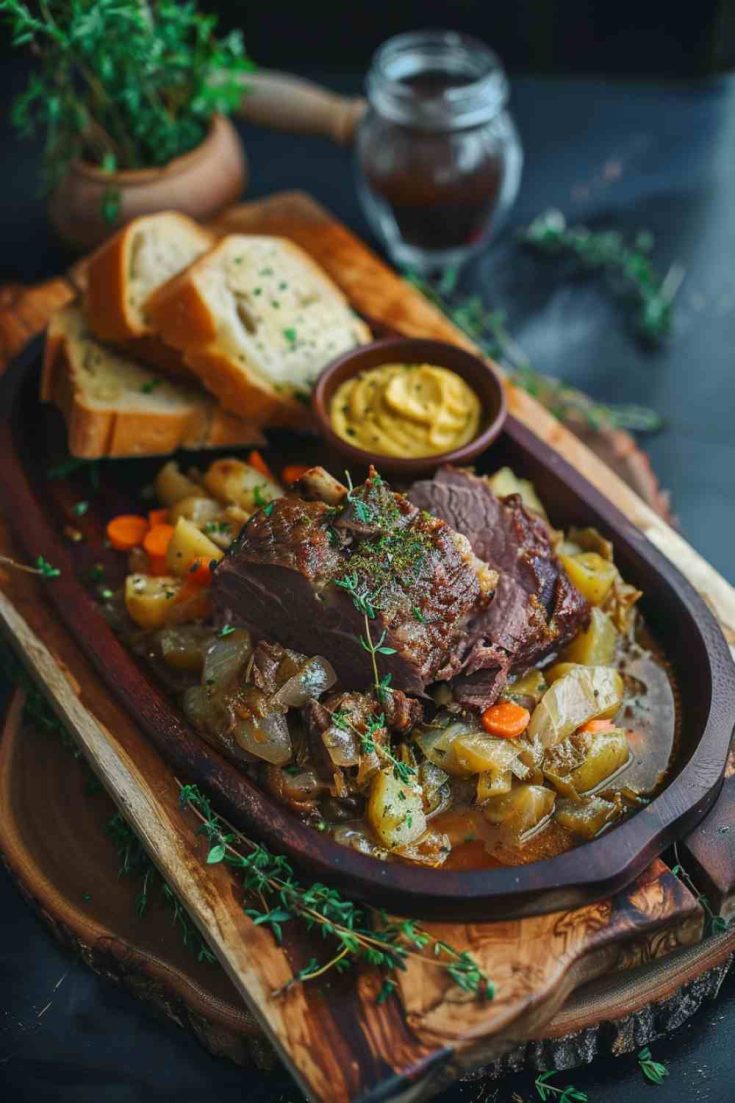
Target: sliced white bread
x=115 y=407
x=127 y=269
x=257 y=320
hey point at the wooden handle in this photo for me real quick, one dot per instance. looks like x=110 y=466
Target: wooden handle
x=285 y=102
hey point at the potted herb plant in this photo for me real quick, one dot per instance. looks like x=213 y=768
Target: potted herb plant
x=132 y=97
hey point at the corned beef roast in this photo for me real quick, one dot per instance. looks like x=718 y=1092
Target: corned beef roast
x=305 y=567
x=465 y=586
x=535 y=609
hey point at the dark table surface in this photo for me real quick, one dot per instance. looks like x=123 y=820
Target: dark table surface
x=626 y=156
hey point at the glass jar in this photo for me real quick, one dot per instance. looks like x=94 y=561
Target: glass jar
x=438 y=157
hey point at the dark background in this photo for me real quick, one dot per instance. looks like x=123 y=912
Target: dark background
x=628 y=121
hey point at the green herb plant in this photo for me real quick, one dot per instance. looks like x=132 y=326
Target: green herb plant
x=121 y=84
x=488 y=329
x=357 y=934
x=629 y=267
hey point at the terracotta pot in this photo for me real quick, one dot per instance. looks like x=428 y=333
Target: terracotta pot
x=200 y=183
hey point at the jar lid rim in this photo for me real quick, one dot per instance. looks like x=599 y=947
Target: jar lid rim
x=481 y=94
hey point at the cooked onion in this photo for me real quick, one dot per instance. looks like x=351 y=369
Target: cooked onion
x=224 y=658
x=267 y=737
x=342 y=745
x=314 y=678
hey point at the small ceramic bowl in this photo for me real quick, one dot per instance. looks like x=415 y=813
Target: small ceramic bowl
x=484 y=381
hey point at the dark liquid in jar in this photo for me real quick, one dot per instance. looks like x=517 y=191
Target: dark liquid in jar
x=435 y=208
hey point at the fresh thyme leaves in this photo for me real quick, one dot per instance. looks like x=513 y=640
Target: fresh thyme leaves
x=654 y=1071
x=629 y=264
x=122 y=84
x=291 y=336
x=487 y=328
x=133 y=861
x=714 y=924
x=268 y=508
x=363 y=511
x=80 y=508
x=258 y=496
x=546 y=1090
x=42 y=567
x=358 y=933
x=226 y=630
x=150 y=386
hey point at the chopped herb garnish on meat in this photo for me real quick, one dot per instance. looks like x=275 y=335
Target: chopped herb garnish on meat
x=418 y=615
x=268 y=508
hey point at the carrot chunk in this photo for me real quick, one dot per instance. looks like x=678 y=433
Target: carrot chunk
x=200 y=572
x=126 y=531
x=293 y=473
x=157 y=540
x=255 y=459
x=592 y=727
x=506 y=720
x=157 y=517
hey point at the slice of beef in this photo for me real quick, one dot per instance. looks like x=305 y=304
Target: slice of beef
x=305 y=572
x=535 y=609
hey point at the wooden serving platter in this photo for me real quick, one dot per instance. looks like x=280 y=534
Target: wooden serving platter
x=341 y=1045
x=147 y=954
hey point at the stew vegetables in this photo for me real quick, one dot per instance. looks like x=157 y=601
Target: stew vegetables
x=568 y=744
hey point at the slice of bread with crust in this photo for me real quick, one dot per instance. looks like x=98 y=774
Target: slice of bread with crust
x=257 y=320
x=115 y=407
x=127 y=269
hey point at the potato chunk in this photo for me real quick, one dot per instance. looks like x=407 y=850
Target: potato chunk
x=195 y=508
x=188 y=545
x=395 y=810
x=149 y=600
x=171 y=485
x=592 y=575
x=596 y=645
x=585 y=818
x=233 y=482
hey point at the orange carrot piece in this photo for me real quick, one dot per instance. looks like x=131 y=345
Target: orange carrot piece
x=592 y=727
x=157 y=540
x=293 y=473
x=506 y=719
x=157 y=565
x=200 y=572
x=255 y=459
x=126 y=531
x=157 y=517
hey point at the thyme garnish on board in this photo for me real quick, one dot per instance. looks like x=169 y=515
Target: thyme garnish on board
x=358 y=934
x=488 y=329
x=629 y=265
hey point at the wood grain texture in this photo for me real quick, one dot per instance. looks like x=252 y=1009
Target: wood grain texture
x=147 y=955
x=338 y=1042
x=394 y=1052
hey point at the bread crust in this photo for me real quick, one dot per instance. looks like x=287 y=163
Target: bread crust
x=181 y=315
x=107 y=293
x=95 y=432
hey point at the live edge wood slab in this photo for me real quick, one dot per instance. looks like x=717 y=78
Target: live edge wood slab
x=337 y=1041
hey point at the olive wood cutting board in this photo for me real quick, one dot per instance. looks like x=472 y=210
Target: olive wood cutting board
x=339 y=1043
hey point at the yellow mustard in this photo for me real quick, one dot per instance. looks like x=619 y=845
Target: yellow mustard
x=409 y=410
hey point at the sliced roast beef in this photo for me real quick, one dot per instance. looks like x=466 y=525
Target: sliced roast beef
x=535 y=609
x=315 y=575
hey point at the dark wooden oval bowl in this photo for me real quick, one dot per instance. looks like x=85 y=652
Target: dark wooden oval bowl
x=38 y=509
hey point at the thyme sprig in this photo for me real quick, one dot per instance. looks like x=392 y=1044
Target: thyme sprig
x=629 y=265
x=654 y=1071
x=359 y=934
x=547 y=1090
x=714 y=924
x=488 y=329
x=41 y=567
